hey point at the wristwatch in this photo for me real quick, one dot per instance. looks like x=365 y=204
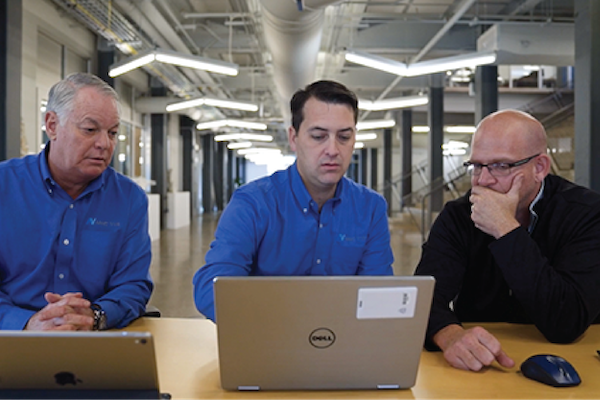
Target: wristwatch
x=99 y=318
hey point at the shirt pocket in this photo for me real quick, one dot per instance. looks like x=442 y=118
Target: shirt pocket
x=347 y=252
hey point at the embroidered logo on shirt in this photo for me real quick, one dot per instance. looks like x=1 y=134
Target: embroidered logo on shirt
x=97 y=222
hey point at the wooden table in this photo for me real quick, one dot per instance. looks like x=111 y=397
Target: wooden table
x=187 y=358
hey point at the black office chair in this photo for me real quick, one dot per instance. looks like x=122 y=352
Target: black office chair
x=151 y=311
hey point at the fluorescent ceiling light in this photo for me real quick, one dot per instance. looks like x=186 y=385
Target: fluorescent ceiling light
x=239 y=145
x=421 y=68
x=471 y=60
x=420 y=129
x=130 y=64
x=376 y=62
x=455 y=144
x=449 y=129
x=366 y=136
x=359 y=145
x=389 y=104
x=375 y=124
x=243 y=136
x=460 y=129
x=174 y=58
x=258 y=150
x=235 y=105
x=259 y=126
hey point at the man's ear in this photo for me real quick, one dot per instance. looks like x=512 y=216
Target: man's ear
x=292 y=136
x=51 y=121
x=542 y=167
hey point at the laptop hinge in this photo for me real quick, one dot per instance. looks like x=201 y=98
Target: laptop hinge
x=248 y=387
x=388 y=386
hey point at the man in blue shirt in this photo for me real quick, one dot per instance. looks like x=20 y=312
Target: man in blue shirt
x=74 y=243
x=308 y=219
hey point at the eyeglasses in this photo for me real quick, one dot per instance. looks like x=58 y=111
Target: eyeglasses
x=497 y=168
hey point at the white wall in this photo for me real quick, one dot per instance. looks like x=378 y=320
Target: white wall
x=45 y=30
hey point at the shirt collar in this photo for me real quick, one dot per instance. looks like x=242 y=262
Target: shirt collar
x=534 y=216
x=302 y=195
x=51 y=183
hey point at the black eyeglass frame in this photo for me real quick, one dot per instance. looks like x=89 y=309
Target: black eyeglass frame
x=496 y=166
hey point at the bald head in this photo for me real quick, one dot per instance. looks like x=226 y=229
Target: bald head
x=514 y=132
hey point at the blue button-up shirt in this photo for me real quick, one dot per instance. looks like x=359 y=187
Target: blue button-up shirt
x=272 y=226
x=97 y=244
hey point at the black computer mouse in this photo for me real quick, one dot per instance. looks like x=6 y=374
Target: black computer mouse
x=551 y=370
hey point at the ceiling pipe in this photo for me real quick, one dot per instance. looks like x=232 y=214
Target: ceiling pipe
x=293 y=38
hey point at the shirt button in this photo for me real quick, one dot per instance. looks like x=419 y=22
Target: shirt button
x=66 y=242
x=320 y=225
x=50 y=191
x=61 y=276
x=304 y=210
x=318 y=261
x=71 y=206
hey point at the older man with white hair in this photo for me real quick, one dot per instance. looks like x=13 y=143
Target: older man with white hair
x=74 y=243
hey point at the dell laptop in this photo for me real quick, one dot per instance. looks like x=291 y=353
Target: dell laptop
x=77 y=365
x=304 y=333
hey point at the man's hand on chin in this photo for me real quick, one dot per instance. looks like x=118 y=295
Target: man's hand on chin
x=471 y=349
x=493 y=212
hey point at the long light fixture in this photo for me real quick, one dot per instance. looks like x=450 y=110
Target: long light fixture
x=243 y=136
x=375 y=124
x=421 y=68
x=173 y=58
x=390 y=104
x=259 y=150
x=209 y=101
x=366 y=136
x=448 y=129
x=239 y=145
x=259 y=126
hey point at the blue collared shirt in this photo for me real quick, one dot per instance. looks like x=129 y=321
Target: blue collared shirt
x=273 y=227
x=97 y=244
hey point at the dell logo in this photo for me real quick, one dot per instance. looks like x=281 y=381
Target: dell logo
x=321 y=338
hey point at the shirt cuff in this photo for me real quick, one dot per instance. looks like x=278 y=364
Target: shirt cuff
x=17 y=319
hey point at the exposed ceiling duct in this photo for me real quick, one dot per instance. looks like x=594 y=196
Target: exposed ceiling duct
x=534 y=44
x=293 y=38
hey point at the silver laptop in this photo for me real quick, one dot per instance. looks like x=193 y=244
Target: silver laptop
x=350 y=332
x=77 y=365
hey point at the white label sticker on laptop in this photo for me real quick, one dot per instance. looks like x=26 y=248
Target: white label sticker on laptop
x=386 y=302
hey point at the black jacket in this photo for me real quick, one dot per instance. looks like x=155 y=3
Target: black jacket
x=550 y=278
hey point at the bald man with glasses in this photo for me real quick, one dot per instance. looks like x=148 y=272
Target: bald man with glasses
x=521 y=246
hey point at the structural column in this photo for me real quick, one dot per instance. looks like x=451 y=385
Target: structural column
x=230 y=170
x=187 y=131
x=106 y=57
x=406 y=161
x=486 y=91
x=387 y=169
x=374 y=168
x=363 y=166
x=436 y=139
x=218 y=174
x=158 y=170
x=207 y=172
x=11 y=27
x=587 y=93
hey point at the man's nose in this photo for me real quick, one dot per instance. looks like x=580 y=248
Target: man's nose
x=485 y=178
x=332 y=147
x=103 y=140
